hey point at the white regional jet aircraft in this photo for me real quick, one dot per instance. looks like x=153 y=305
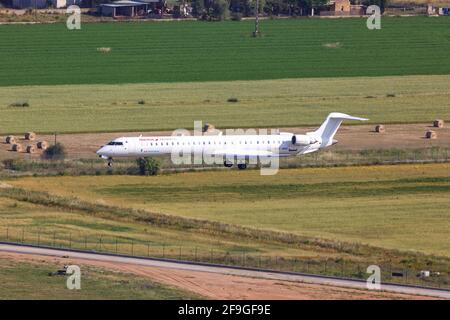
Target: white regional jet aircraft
x=229 y=146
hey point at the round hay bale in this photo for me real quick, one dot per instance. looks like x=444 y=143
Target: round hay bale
x=11 y=140
x=430 y=134
x=30 y=149
x=42 y=145
x=380 y=128
x=31 y=136
x=17 y=147
x=208 y=127
x=438 y=123
x=104 y=50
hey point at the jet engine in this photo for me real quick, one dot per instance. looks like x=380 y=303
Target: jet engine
x=302 y=140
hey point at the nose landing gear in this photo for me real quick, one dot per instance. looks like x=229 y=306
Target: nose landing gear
x=110 y=163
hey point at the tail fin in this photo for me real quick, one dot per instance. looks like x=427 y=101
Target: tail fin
x=330 y=126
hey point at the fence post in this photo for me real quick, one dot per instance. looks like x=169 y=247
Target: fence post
x=179 y=256
x=70 y=240
x=148 y=249
x=54 y=238
x=39 y=237
x=212 y=259
x=85 y=242
x=195 y=255
x=116 y=244
x=23 y=234
x=132 y=247
x=164 y=250
x=100 y=244
x=7 y=233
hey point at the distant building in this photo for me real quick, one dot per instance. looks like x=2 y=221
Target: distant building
x=42 y=4
x=358 y=10
x=123 y=8
x=155 y=6
x=66 y=3
x=25 y=4
x=127 y=8
x=343 y=8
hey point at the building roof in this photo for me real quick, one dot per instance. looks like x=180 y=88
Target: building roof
x=123 y=3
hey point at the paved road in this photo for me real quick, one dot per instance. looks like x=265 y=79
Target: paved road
x=220 y=270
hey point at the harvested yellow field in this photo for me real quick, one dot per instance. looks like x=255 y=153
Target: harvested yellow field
x=404 y=206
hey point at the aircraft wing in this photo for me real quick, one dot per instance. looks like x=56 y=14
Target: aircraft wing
x=245 y=153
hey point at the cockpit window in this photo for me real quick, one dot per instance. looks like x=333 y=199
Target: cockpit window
x=114 y=143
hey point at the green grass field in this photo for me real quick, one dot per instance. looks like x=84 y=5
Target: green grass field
x=26 y=222
x=266 y=103
x=196 y=51
x=30 y=280
x=332 y=221
x=395 y=207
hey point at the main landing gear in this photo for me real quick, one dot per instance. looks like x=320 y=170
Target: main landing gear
x=229 y=164
x=242 y=166
x=110 y=162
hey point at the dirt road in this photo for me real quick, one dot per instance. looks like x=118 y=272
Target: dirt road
x=84 y=145
x=221 y=282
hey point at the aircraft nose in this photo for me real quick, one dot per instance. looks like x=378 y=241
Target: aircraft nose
x=334 y=141
x=100 y=151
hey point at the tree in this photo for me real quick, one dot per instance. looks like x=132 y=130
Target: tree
x=148 y=166
x=198 y=7
x=307 y=5
x=247 y=7
x=211 y=9
x=220 y=9
x=381 y=3
x=276 y=7
x=55 y=152
x=262 y=4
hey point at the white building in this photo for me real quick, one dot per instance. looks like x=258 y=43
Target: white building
x=25 y=4
x=42 y=4
x=66 y=3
